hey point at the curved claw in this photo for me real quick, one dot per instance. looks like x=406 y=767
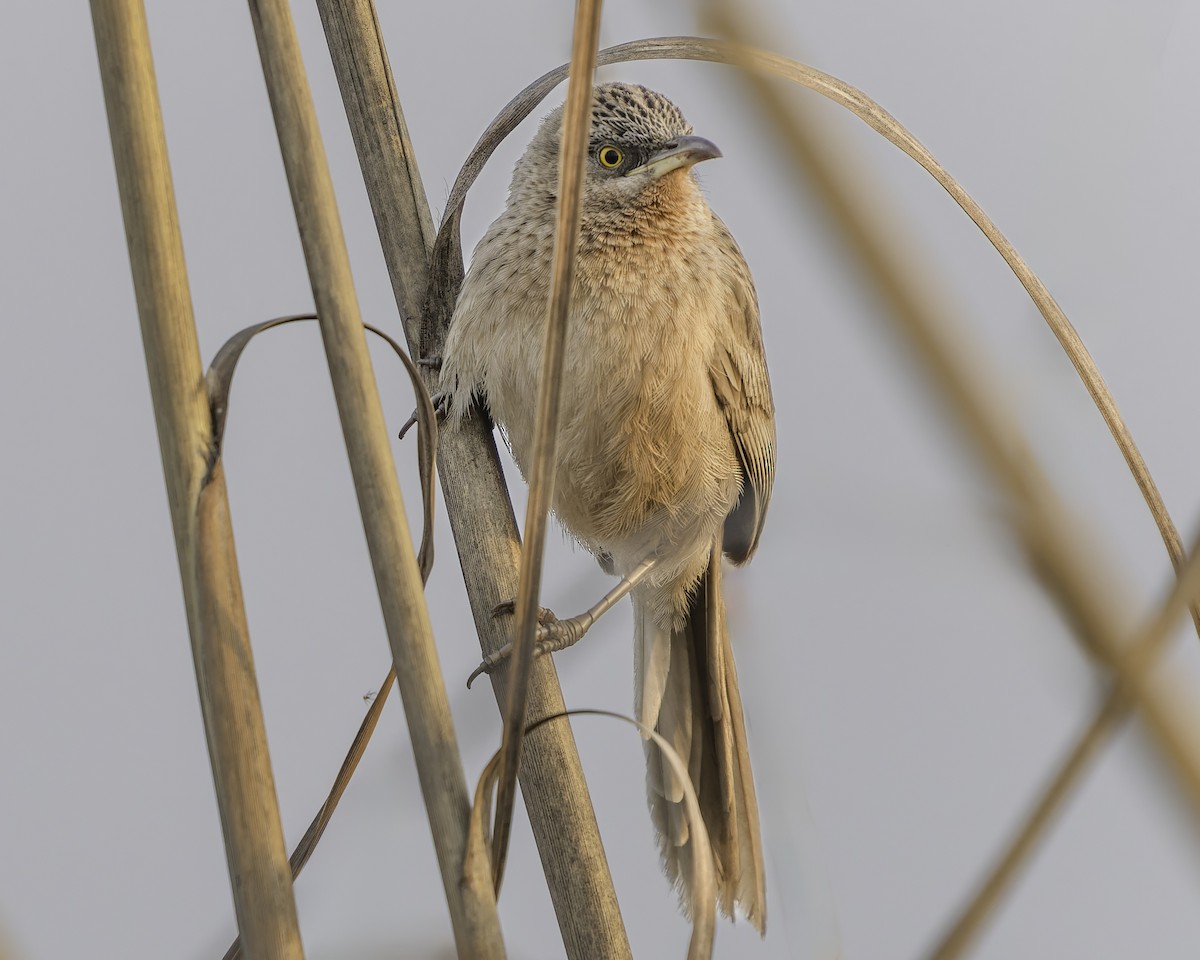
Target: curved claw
x=407 y=425
x=441 y=404
x=484 y=667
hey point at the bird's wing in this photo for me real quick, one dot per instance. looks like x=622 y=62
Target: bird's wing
x=738 y=369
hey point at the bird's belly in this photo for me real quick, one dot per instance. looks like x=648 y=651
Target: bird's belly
x=645 y=462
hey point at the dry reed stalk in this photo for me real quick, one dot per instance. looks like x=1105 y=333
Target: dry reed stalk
x=572 y=157
x=1103 y=723
x=443 y=785
x=233 y=721
x=552 y=783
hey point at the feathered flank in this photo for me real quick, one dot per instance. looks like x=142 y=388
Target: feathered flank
x=743 y=390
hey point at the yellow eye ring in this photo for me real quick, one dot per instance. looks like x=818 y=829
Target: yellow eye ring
x=610 y=157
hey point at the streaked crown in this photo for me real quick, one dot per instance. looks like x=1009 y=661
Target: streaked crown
x=630 y=114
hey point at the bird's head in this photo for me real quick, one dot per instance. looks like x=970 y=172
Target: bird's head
x=640 y=150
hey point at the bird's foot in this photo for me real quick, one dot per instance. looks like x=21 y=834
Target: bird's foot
x=552 y=635
x=441 y=406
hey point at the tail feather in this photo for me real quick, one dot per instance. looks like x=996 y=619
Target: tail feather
x=652 y=664
x=687 y=691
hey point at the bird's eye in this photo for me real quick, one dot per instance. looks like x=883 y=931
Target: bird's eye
x=609 y=156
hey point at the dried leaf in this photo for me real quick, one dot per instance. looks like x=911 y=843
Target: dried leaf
x=219 y=380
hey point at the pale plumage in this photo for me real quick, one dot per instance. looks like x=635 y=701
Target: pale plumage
x=666 y=439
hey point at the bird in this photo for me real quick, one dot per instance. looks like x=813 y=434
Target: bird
x=666 y=437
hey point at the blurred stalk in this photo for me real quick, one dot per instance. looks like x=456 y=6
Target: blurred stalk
x=233 y=720
x=1071 y=572
x=1056 y=550
x=398 y=580
x=962 y=932
x=485 y=531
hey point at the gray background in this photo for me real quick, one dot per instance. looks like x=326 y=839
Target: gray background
x=908 y=685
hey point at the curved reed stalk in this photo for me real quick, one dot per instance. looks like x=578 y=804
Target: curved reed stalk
x=703 y=879
x=446 y=255
x=871 y=113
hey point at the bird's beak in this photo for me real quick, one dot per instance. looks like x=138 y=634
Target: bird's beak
x=681 y=153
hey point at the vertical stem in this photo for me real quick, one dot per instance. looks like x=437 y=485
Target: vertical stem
x=572 y=157
x=397 y=577
x=485 y=531
x=233 y=721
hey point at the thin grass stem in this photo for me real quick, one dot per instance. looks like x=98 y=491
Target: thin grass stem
x=577 y=118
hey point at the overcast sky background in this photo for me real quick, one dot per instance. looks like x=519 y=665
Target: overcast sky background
x=907 y=685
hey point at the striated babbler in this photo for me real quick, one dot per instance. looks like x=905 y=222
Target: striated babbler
x=666 y=438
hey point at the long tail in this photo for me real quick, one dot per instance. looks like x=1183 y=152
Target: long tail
x=687 y=690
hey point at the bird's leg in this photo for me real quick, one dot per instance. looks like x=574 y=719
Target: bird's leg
x=554 y=634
